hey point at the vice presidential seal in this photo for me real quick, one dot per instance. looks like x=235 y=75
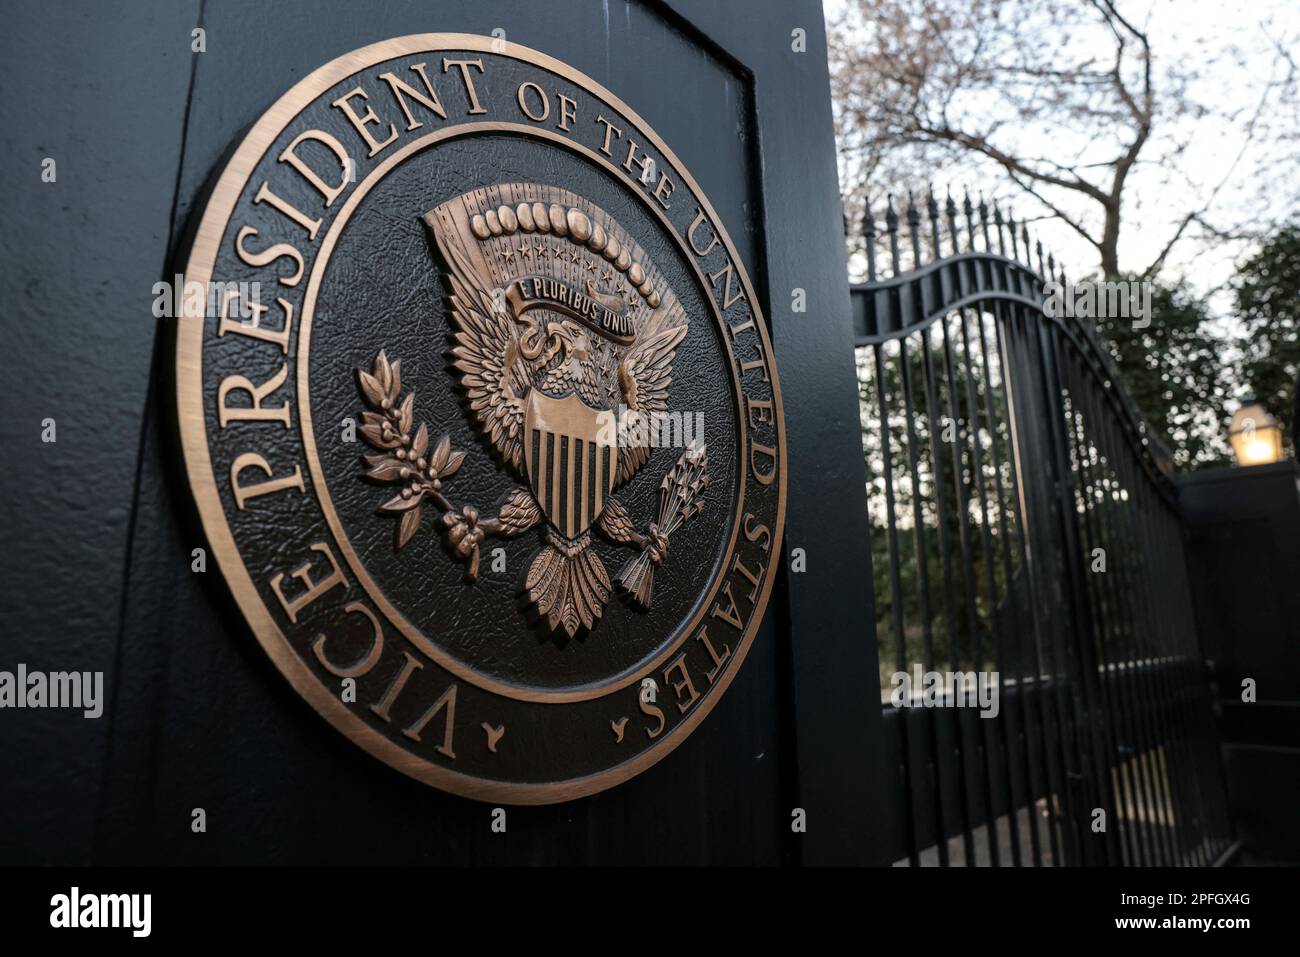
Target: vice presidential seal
x=481 y=418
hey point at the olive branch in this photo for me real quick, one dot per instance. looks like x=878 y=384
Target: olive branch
x=405 y=460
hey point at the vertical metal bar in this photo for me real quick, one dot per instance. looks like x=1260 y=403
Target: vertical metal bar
x=1020 y=415
x=1077 y=634
x=1148 y=808
x=923 y=588
x=982 y=767
x=891 y=227
x=995 y=755
x=990 y=558
x=1163 y=757
x=1138 y=799
x=945 y=559
x=966 y=552
x=869 y=240
x=1134 y=678
x=1185 y=797
x=1117 y=829
x=896 y=591
x=1134 y=571
x=1047 y=540
x=1008 y=574
x=1112 y=699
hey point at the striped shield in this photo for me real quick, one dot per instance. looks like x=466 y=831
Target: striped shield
x=571 y=453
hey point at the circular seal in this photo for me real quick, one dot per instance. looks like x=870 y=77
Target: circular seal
x=481 y=418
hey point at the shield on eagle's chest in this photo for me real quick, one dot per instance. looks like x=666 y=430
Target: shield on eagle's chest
x=571 y=453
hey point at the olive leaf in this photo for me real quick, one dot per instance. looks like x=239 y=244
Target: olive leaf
x=407 y=528
x=399 y=504
x=395 y=386
x=371 y=387
x=407 y=413
x=386 y=470
x=453 y=464
x=440 y=454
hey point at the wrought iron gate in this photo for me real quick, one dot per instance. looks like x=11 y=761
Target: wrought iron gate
x=1024 y=522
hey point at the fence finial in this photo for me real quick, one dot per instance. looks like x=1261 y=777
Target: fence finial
x=997 y=226
x=950 y=209
x=869 y=239
x=891 y=227
x=868 y=223
x=968 y=211
x=914 y=228
x=932 y=210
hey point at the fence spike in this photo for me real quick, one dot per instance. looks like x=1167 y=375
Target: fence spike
x=869 y=238
x=950 y=209
x=891 y=227
x=914 y=228
x=932 y=210
x=969 y=211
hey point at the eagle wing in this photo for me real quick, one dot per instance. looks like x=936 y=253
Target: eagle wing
x=486 y=354
x=644 y=374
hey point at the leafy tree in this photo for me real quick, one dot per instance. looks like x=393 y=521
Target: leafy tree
x=1176 y=373
x=1267 y=294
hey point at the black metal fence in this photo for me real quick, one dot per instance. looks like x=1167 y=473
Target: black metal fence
x=1026 y=531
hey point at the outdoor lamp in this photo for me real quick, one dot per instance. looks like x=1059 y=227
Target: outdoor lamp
x=1255 y=435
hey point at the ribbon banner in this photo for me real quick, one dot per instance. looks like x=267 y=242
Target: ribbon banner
x=603 y=313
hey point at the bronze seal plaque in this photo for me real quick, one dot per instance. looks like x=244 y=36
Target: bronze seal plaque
x=481 y=418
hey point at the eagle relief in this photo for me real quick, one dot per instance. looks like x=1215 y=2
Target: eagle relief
x=483 y=428
x=564 y=342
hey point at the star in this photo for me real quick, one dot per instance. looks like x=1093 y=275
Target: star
x=591 y=266
x=524 y=250
x=541 y=250
x=509 y=255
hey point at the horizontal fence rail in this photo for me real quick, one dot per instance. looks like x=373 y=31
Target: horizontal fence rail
x=1026 y=540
